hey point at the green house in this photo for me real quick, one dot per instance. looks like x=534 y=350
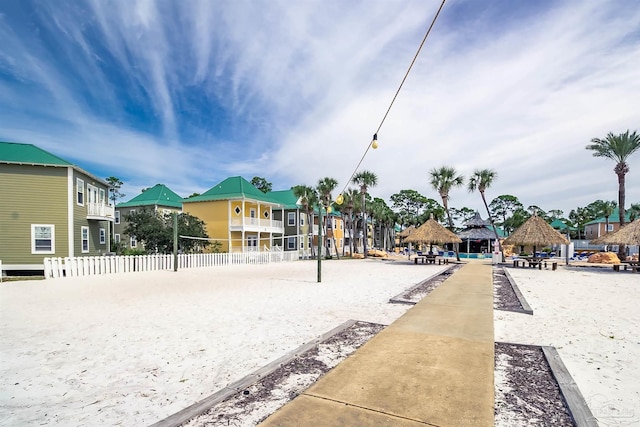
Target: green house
x=49 y=208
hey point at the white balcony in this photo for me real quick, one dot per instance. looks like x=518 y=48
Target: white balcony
x=256 y=224
x=100 y=212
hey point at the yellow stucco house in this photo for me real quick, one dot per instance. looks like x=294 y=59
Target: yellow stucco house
x=238 y=215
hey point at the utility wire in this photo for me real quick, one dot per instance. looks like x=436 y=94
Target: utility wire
x=415 y=57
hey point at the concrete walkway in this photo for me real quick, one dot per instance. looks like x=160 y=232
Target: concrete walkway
x=433 y=366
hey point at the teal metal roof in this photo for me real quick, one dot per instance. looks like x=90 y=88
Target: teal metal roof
x=614 y=217
x=12 y=152
x=558 y=224
x=159 y=195
x=29 y=154
x=285 y=198
x=235 y=187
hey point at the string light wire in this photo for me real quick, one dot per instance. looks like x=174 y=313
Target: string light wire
x=415 y=57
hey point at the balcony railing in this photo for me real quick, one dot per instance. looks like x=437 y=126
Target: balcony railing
x=100 y=211
x=257 y=224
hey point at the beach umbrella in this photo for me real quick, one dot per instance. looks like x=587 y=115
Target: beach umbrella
x=432 y=232
x=627 y=235
x=535 y=232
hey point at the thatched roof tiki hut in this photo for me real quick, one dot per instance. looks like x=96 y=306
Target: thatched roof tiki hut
x=535 y=232
x=406 y=233
x=431 y=232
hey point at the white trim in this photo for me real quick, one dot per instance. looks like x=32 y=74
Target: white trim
x=70 y=205
x=82 y=239
x=33 y=239
x=80 y=190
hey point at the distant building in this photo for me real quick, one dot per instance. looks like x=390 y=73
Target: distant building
x=158 y=198
x=601 y=226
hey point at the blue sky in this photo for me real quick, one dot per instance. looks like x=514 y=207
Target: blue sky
x=188 y=93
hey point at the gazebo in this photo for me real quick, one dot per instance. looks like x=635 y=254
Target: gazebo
x=477 y=235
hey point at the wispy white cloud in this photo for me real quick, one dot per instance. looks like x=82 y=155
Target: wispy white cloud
x=188 y=93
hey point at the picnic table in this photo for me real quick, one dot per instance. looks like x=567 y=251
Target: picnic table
x=430 y=259
x=532 y=261
x=632 y=265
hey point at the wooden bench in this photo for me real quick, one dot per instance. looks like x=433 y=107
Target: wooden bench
x=535 y=263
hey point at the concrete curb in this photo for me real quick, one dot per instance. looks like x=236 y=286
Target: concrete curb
x=526 y=308
x=398 y=299
x=207 y=403
x=578 y=408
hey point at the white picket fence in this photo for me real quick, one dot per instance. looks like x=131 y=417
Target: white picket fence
x=95 y=265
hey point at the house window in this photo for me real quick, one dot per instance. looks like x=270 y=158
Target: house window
x=301 y=244
x=301 y=219
x=103 y=198
x=117 y=217
x=84 y=236
x=133 y=242
x=103 y=236
x=609 y=227
x=266 y=214
x=291 y=218
x=329 y=243
x=291 y=243
x=237 y=210
x=43 y=239
x=341 y=243
x=79 y=192
x=116 y=238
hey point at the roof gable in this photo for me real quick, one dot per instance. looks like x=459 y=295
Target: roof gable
x=159 y=194
x=13 y=152
x=235 y=187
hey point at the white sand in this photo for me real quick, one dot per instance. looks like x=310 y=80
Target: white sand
x=592 y=317
x=135 y=348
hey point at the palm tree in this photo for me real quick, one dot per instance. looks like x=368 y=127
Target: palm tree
x=606 y=210
x=617 y=148
x=325 y=187
x=308 y=198
x=351 y=201
x=365 y=179
x=481 y=180
x=634 y=211
x=442 y=180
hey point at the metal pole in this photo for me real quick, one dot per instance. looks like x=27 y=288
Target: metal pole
x=175 y=241
x=320 y=244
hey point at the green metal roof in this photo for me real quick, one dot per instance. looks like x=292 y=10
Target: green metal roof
x=29 y=154
x=558 y=224
x=285 y=198
x=614 y=217
x=12 y=152
x=159 y=194
x=235 y=187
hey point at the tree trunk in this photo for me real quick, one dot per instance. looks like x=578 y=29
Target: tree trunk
x=495 y=230
x=455 y=245
x=622 y=253
x=364 y=227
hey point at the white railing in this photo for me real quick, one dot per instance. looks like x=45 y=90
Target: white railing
x=97 y=265
x=257 y=222
x=100 y=210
